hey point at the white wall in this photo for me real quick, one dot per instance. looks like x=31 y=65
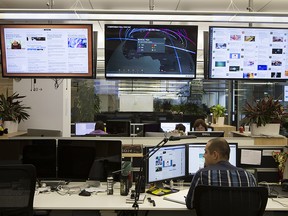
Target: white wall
x=136 y=103
x=50 y=106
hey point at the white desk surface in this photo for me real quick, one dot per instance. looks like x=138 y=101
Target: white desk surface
x=54 y=201
x=102 y=201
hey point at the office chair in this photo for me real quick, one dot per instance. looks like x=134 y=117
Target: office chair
x=17 y=188
x=230 y=201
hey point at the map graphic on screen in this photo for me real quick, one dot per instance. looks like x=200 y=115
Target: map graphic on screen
x=148 y=51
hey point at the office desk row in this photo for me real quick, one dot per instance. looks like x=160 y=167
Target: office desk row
x=102 y=201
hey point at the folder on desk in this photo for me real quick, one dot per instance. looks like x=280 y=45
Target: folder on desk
x=178 y=197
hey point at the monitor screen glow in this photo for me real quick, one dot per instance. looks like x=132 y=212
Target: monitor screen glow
x=248 y=53
x=170 y=126
x=169 y=162
x=83 y=128
x=150 y=51
x=196 y=156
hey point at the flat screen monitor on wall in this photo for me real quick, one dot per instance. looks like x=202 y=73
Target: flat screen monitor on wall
x=248 y=53
x=150 y=51
x=52 y=51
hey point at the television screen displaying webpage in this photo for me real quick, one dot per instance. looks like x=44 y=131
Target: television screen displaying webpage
x=63 y=51
x=248 y=53
x=150 y=51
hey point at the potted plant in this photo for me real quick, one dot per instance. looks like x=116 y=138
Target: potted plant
x=218 y=112
x=260 y=114
x=12 y=110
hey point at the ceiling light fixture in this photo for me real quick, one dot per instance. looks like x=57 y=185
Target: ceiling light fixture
x=145 y=15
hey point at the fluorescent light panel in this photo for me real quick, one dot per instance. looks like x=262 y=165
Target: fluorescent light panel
x=175 y=16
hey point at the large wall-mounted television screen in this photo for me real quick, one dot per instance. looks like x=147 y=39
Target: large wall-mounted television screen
x=248 y=53
x=53 y=51
x=150 y=51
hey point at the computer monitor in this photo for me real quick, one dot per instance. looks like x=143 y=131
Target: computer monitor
x=83 y=128
x=118 y=127
x=207 y=133
x=152 y=127
x=82 y=159
x=168 y=162
x=196 y=156
x=170 y=126
x=39 y=152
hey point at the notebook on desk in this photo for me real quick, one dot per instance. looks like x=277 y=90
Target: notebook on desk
x=178 y=197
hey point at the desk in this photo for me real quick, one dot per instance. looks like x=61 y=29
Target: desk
x=226 y=128
x=263 y=140
x=54 y=201
x=9 y=135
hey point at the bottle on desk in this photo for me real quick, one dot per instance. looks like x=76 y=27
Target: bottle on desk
x=110 y=185
x=124 y=185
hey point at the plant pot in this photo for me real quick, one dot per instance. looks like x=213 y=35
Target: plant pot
x=267 y=130
x=11 y=126
x=220 y=120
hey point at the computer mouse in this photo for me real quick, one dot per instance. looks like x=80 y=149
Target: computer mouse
x=84 y=193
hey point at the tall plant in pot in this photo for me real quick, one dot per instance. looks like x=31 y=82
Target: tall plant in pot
x=264 y=116
x=12 y=110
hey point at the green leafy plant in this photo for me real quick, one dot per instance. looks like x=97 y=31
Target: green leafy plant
x=264 y=111
x=218 y=110
x=12 y=108
x=86 y=103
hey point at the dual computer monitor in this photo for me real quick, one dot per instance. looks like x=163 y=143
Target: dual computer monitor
x=178 y=161
x=67 y=159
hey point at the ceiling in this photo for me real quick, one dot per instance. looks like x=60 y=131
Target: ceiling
x=179 y=5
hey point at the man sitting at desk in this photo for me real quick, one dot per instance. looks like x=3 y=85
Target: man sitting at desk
x=218 y=171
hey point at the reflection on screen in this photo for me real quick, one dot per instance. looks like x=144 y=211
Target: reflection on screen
x=196 y=156
x=168 y=162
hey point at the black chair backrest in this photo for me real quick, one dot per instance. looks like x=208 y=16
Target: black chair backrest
x=17 y=188
x=230 y=201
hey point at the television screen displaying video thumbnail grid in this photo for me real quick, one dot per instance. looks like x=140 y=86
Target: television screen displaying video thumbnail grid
x=248 y=53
